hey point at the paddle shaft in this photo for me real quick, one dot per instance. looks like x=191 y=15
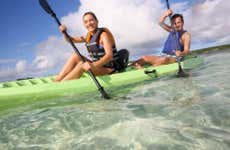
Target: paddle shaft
x=48 y=9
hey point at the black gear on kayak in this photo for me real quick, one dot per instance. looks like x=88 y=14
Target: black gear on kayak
x=122 y=62
x=96 y=51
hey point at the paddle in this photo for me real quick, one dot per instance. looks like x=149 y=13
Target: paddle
x=180 y=72
x=48 y=9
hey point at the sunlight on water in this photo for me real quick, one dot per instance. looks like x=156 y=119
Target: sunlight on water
x=167 y=113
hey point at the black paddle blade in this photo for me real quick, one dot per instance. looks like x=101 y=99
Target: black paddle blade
x=181 y=73
x=46 y=7
x=104 y=94
x=167 y=3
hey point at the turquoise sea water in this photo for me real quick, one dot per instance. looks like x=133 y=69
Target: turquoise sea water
x=164 y=114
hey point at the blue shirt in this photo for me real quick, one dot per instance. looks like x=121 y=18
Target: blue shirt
x=172 y=44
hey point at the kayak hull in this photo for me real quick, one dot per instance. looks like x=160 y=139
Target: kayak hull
x=19 y=92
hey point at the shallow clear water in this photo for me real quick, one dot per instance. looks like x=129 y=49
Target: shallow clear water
x=167 y=113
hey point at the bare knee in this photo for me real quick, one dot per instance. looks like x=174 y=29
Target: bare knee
x=161 y=61
x=145 y=58
x=75 y=73
x=75 y=58
x=164 y=60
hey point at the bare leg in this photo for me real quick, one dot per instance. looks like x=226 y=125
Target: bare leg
x=70 y=64
x=77 y=72
x=145 y=60
x=153 y=60
x=164 y=61
x=138 y=63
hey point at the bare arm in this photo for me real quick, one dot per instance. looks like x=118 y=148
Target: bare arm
x=162 y=19
x=80 y=39
x=108 y=43
x=186 y=39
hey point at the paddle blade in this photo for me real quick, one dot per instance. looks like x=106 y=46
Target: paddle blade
x=103 y=93
x=167 y=3
x=181 y=73
x=46 y=7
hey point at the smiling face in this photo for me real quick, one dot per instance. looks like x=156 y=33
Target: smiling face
x=90 y=22
x=178 y=24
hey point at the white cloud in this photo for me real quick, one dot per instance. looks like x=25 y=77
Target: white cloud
x=208 y=21
x=21 y=66
x=51 y=53
x=134 y=24
x=9 y=73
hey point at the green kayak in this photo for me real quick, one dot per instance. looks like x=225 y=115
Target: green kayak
x=44 y=88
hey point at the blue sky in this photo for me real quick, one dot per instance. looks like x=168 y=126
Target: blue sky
x=24 y=24
x=29 y=35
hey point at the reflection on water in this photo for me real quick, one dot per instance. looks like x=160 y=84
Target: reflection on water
x=168 y=113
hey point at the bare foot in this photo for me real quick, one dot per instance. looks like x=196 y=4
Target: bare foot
x=57 y=79
x=136 y=65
